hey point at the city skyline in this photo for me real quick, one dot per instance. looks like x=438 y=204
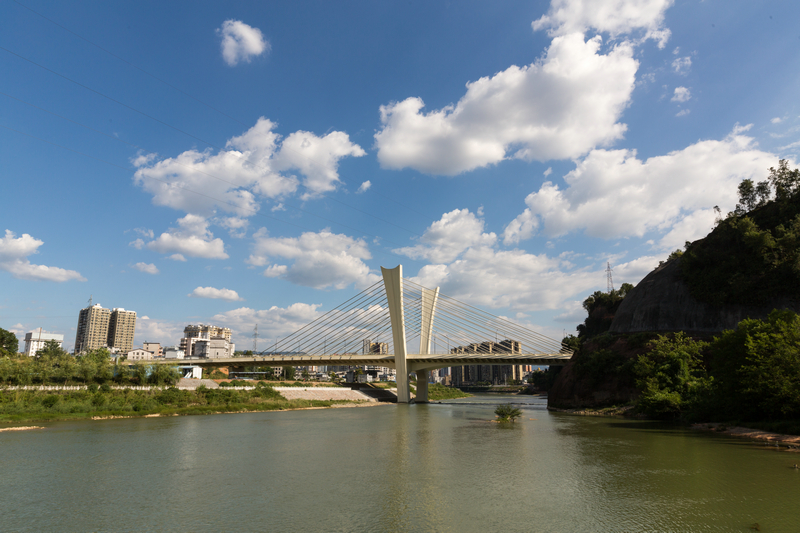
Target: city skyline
x=258 y=163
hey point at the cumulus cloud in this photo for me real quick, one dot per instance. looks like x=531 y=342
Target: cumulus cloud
x=321 y=260
x=559 y=107
x=681 y=94
x=253 y=165
x=449 y=236
x=241 y=42
x=519 y=280
x=14 y=252
x=364 y=187
x=236 y=226
x=616 y=17
x=148 y=268
x=683 y=112
x=612 y=193
x=272 y=323
x=218 y=294
x=777 y=120
x=192 y=237
x=167 y=332
x=682 y=65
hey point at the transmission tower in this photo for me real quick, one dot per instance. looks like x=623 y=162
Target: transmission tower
x=609 y=279
x=255 y=339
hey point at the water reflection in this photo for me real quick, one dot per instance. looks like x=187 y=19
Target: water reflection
x=396 y=468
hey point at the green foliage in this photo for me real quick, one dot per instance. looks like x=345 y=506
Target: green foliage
x=437 y=391
x=216 y=374
x=671 y=376
x=601 y=307
x=9 y=344
x=754 y=255
x=756 y=368
x=507 y=413
x=288 y=372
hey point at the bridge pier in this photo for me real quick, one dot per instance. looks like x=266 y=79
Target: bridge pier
x=393 y=283
x=422 y=387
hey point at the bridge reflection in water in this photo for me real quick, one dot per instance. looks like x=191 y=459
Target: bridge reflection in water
x=371 y=329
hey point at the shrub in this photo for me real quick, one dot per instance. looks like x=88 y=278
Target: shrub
x=507 y=413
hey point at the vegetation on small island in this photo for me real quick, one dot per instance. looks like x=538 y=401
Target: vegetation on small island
x=507 y=413
x=437 y=391
x=749 y=375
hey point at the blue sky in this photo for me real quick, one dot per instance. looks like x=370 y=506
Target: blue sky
x=257 y=163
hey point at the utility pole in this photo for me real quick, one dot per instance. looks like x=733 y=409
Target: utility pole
x=609 y=280
x=255 y=340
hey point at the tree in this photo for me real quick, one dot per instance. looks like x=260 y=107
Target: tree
x=601 y=307
x=305 y=375
x=507 y=413
x=786 y=182
x=9 y=344
x=51 y=350
x=288 y=372
x=671 y=376
x=756 y=368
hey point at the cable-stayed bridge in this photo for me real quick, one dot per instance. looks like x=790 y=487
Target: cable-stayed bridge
x=399 y=324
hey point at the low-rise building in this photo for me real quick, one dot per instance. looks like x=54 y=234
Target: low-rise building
x=213 y=348
x=140 y=354
x=34 y=340
x=173 y=352
x=154 y=348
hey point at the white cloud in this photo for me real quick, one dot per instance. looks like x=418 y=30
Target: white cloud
x=177 y=257
x=236 y=226
x=218 y=294
x=321 y=259
x=168 y=333
x=191 y=238
x=449 y=236
x=683 y=112
x=364 y=187
x=521 y=281
x=682 y=65
x=681 y=94
x=559 y=107
x=241 y=42
x=548 y=171
x=272 y=323
x=693 y=226
x=253 y=165
x=14 y=252
x=616 y=17
x=138 y=244
x=148 y=268
x=777 y=120
x=612 y=193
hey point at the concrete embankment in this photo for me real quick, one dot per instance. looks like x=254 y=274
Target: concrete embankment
x=322 y=393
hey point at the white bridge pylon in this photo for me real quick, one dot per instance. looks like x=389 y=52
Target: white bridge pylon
x=399 y=324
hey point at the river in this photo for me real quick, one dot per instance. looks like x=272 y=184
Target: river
x=392 y=468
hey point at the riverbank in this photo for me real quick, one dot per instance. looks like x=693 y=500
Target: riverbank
x=792 y=442
x=22 y=406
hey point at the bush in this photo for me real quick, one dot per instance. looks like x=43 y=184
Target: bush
x=507 y=413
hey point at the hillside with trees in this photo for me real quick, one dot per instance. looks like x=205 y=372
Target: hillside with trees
x=713 y=333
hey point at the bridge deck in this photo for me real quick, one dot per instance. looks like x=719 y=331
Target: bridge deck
x=419 y=360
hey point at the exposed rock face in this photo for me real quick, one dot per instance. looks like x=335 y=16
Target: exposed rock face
x=661 y=302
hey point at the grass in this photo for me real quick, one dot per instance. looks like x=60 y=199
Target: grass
x=437 y=391
x=19 y=406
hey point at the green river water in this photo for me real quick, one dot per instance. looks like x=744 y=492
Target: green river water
x=393 y=468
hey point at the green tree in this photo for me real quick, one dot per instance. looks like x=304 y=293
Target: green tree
x=51 y=350
x=601 y=307
x=507 y=413
x=305 y=375
x=671 y=376
x=9 y=344
x=785 y=181
x=756 y=368
x=288 y=372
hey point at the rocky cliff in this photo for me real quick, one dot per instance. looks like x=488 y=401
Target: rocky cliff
x=661 y=302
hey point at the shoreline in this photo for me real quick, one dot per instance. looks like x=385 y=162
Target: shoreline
x=343 y=405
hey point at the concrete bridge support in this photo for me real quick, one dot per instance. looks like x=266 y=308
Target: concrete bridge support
x=393 y=282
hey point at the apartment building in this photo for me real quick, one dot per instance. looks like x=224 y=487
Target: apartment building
x=34 y=340
x=99 y=327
